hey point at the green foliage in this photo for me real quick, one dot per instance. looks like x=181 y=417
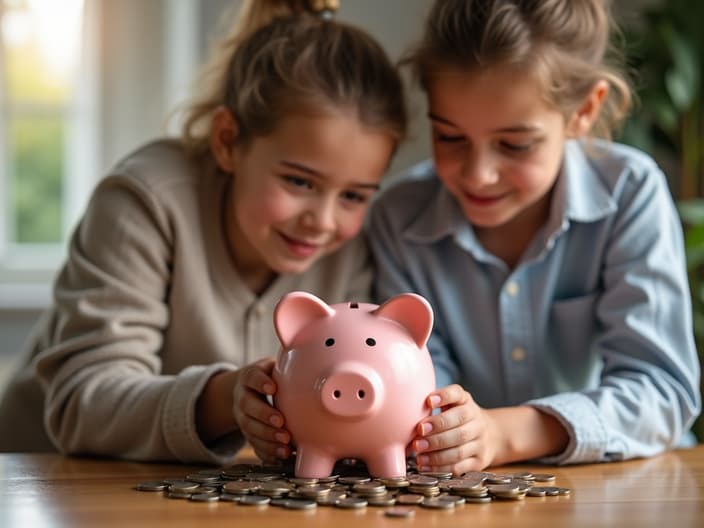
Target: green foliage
x=666 y=51
x=37 y=166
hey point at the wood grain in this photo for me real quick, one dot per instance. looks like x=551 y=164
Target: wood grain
x=55 y=491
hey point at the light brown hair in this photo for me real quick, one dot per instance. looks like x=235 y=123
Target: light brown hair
x=565 y=43
x=281 y=57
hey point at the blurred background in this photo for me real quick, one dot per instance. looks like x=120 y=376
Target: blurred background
x=83 y=82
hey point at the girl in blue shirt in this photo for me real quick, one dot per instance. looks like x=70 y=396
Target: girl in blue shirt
x=553 y=260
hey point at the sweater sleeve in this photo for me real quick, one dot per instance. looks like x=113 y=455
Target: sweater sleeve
x=105 y=390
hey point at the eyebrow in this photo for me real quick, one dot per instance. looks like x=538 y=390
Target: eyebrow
x=313 y=172
x=510 y=129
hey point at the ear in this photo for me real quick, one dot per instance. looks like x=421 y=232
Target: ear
x=296 y=310
x=412 y=312
x=223 y=138
x=582 y=120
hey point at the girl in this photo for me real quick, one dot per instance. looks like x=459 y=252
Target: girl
x=553 y=260
x=159 y=344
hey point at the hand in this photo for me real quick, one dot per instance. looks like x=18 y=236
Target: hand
x=461 y=438
x=259 y=422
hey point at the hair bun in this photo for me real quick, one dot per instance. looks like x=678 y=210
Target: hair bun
x=324 y=8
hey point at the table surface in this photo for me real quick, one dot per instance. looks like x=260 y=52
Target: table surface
x=39 y=490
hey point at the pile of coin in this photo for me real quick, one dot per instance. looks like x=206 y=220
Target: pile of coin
x=350 y=486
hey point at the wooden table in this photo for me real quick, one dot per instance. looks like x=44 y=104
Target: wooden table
x=51 y=490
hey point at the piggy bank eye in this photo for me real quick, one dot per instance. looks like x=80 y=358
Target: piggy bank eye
x=329 y=342
x=370 y=341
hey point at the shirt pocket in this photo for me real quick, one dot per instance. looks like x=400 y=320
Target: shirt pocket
x=571 y=331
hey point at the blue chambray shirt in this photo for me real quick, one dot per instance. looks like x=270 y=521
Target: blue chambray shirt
x=594 y=324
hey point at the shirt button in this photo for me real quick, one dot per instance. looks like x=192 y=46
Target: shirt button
x=518 y=354
x=512 y=289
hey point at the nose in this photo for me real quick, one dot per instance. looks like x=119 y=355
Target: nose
x=480 y=169
x=320 y=215
x=351 y=392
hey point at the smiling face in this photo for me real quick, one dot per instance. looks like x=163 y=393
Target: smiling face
x=300 y=192
x=497 y=145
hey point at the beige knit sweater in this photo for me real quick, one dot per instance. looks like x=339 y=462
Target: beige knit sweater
x=147 y=307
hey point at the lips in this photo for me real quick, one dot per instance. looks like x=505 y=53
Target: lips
x=483 y=201
x=300 y=248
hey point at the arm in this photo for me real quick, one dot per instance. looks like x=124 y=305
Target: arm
x=648 y=393
x=105 y=392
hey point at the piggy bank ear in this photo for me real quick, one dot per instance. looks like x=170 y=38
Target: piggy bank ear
x=296 y=310
x=413 y=312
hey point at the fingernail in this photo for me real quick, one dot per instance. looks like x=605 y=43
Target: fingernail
x=434 y=400
x=426 y=428
x=282 y=452
x=276 y=420
x=268 y=388
x=422 y=445
x=282 y=437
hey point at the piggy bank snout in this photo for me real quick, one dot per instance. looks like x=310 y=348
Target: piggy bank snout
x=351 y=392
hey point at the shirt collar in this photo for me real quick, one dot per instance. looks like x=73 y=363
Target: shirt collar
x=580 y=195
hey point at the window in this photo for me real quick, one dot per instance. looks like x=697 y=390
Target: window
x=46 y=137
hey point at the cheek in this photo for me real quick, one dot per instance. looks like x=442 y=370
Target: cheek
x=350 y=225
x=262 y=208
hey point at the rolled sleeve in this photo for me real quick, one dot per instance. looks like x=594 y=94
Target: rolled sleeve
x=178 y=419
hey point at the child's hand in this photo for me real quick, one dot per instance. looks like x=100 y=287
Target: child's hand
x=461 y=438
x=260 y=423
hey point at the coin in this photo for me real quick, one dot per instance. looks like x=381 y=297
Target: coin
x=152 y=485
x=351 y=503
x=254 y=500
x=205 y=497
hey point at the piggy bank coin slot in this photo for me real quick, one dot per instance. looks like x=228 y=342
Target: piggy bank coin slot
x=354 y=305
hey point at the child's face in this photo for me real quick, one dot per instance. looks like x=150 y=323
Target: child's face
x=497 y=145
x=302 y=191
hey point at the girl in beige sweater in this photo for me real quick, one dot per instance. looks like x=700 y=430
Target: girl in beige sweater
x=160 y=341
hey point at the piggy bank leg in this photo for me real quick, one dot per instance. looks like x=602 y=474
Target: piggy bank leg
x=313 y=463
x=388 y=463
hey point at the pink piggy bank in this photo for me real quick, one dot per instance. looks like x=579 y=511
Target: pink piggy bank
x=352 y=380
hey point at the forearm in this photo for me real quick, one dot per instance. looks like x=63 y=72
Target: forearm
x=214 y=414
x=525 y=433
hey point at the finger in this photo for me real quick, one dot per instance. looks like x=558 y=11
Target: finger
x=447 y=457
x=269 y=451
x=463 y=466
x=255 y=408
x=447 y=396
x=258 y=380
x=255 y=429
x=266 y=365
x=449 y=419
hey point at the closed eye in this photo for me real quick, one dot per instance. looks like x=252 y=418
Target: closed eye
x=298 y=181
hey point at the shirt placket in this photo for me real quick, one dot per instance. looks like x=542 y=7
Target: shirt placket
x=517 y=339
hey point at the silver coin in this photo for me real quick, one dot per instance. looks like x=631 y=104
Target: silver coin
x=351 y=503
x=437 y=504
x=300 y=504
x=152 y=485
x=254 y=500
x=409 y=498
x=477 y=500
x=229 y=497
x=399 y=512
x=183 y=485
x=543 y=477
x=205 y=497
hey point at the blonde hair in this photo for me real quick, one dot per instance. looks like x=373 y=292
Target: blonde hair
x=565 y=43
x=280 y=57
